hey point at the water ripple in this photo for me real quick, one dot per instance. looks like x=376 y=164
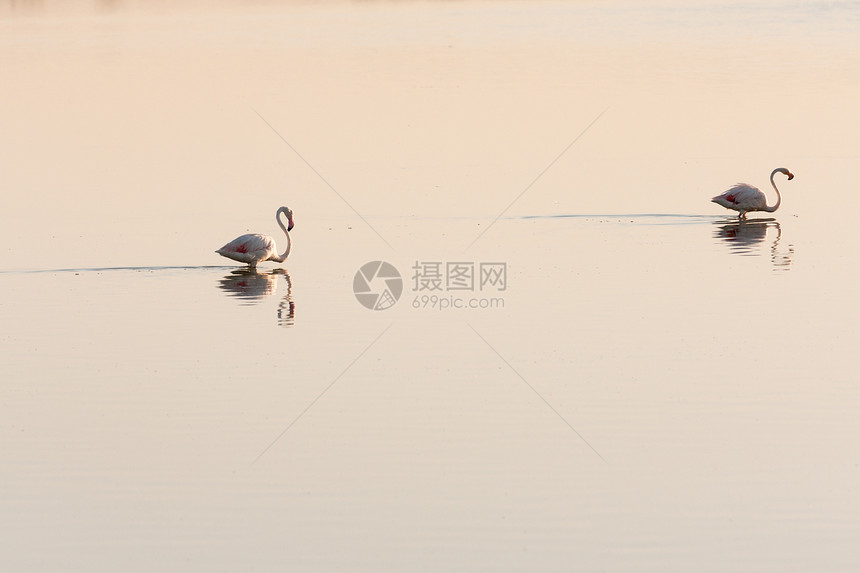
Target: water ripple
x=640 y=218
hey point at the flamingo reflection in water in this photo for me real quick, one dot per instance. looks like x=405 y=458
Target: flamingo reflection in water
x=745 y=237
x=252 y=287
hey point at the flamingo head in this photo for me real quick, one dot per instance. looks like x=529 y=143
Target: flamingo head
x=786 y=172
x=289 y=213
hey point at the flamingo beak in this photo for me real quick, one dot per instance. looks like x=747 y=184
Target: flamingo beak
x=290 y=226
x=790 y=176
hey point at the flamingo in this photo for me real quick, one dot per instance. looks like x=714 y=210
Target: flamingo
x=253 y=248
x=744 y=198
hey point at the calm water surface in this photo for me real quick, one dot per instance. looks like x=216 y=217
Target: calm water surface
x=652 y=387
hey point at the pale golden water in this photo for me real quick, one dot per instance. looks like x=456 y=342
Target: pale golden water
x=656 y=388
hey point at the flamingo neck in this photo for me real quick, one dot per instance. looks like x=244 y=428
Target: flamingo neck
x=286 y=253
x=771 y=209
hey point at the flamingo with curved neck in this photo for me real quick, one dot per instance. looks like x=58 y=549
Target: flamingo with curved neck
x=254 y=247
x=745 y=198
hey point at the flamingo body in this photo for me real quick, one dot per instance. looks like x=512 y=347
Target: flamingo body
x=253 y=248
x=744 y=198
x=249 y=249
